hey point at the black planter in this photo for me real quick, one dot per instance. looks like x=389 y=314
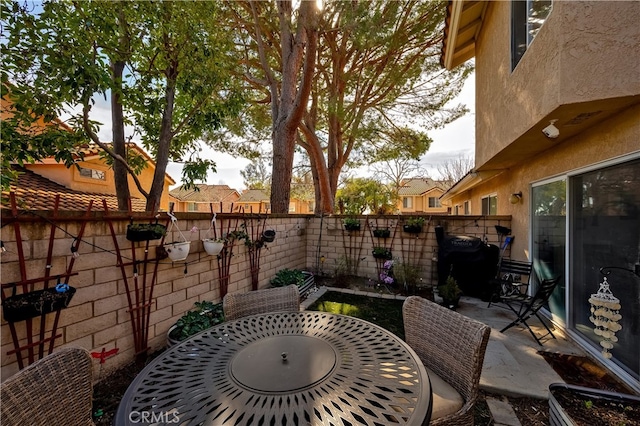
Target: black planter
x=412 y=229
x=451 y=303
x=268 y=236
x=381 y=233
x=383 y=254
x=558 y=416
x=35 y=303
x=145 y=231
x=352 y=226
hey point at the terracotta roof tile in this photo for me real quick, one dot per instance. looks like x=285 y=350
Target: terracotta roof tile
x=253 y=195
x=35 y=192
x=206 y=193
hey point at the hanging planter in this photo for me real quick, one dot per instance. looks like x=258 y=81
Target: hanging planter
x=382 y=253
x=605 y=314
x=145 y=231
x=213 y=247
x=351 y=224
x=177 y=250
x=35 y=303
x=268 y=235
x=382 y=233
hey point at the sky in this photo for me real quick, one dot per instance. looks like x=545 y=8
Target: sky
x=449 y=143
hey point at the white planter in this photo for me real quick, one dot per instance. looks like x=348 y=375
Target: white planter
x=178 y=251
x=212 y=247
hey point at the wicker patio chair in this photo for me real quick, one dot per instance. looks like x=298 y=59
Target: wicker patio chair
x=452 y=348
x=279 y=299
x=56 y=390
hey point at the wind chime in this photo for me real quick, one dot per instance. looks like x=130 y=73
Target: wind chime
x=605 y=314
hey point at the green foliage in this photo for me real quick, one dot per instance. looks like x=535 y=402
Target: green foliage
x=382 y=252
x=362 y=195
x=285 y=277
x=205 y=315
x=450 y=291
x=415 y=221
x=179 y=66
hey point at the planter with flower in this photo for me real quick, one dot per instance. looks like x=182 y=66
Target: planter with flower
x=386 y=274
x=413 y=225
x=145 y=231
x=382 y=253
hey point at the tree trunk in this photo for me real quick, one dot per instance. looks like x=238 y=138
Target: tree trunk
x=119 y=145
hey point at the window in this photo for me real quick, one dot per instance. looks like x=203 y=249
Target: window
x=434 y=202
x=407 y=202
x=467 y=207
x=527 y=16
x=292 y=207
x=192 y=207
x=92 y=173
x=456 y=209
x=490 y=205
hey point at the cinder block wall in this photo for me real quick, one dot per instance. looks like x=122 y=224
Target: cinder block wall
x=98 y=316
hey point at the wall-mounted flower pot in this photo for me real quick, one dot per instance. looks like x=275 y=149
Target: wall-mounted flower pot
x=35 y=303
x=178 y=251
x=573 y=405
x=268 y=236
x=382 y=253
x=212 y=247
x=351 y=226
x=145 y=231
x=381 y=233
x=412 y=229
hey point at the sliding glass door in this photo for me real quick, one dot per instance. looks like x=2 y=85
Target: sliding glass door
x=605 y=231
x=549 y=224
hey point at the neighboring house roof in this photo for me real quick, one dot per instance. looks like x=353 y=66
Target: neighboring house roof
x=253 y=195
x=204 y=193
x=420 y=186
x=35 y=192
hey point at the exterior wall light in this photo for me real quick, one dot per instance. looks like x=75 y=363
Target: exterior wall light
x=515 y=198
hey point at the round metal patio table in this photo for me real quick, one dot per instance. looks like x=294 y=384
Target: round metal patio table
x=295 y=368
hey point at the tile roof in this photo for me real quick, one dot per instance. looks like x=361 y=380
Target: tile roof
x=419 y=186
x=252 y=195
x=206 y=193
x=35 y=192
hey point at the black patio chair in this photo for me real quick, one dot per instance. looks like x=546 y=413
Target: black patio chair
x=527 y=306
x=513 y=276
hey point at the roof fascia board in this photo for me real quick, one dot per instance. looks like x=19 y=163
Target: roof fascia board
x=454 y=23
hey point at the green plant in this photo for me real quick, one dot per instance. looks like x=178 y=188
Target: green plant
x=285 y=277
x=381 y=232
x=205 y=315
x=407 y=275
x=415 y=221
x=382 y=252
x=450 y=292
x=351 y=223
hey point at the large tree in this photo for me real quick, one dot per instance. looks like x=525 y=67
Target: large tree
x=166 y=66
x=280 y=44
x=376 y=72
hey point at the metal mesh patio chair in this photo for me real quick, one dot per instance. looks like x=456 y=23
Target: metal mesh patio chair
x=452 y=348
x=512 y=277
x=279 y=299
x=56 y=390
x=527 y=306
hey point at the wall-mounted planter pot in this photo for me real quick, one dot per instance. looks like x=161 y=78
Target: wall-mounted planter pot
x=560 y=415
x=35 y=303
x=268 y=235
x=178 y=251
x=212 y=247
x=145 y=231
x=382 y=253
x=381 y=233
x=352 y=226
x=412 y=229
